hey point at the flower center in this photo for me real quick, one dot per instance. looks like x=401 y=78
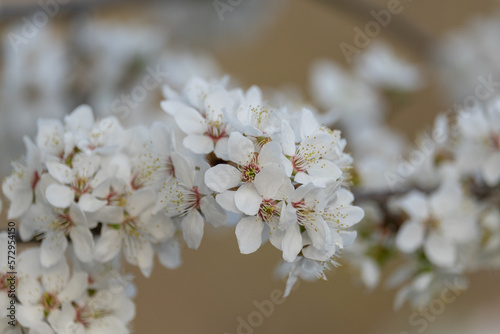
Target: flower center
x=81 y=185
x=299 y=163
x=49 y=302
x=249 y=172
x=5 y=282
x=215 y=130
x=303 y=211
x=62 y=222
x=115 y=198
x=431 y=224
x=84 y=314
x=268 y=210
x=185 y=200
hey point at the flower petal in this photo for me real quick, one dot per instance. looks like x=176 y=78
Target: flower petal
x=83 y=243
x=241 y=149
x=212 y=211
x=440 y=251
x=249 y=234
x=247 y=199
x=292 y=242
x=52 y=249
x=192 y=228
x=222 y=177
x=60 y=172
x=410 y=237
x=59 y=196
x=199 y=144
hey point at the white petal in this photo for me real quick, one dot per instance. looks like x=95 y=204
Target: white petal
x=190 y=121
x=222 y=177
x=410 y=237
x=52 y=249
x=75 y=287
x=59 y=196
x=108 y=245
x=222 y=148
x=41 y=328
x=29 y=315
x=226 y=201
x=212 y=211
x=269 y=181
x=318 y=231
x=169 y=254
x=270 y=154
x=192 y=228
x=77 y=215
x=241 y=149
x=83 y=243
x=82 y=118
x=60 y=172
x=110 y=215
x=29 y=290
x=139 y=201
x=247 y=199
x=89 y=203
x=439 y=250
x=370 y=273
x=287 y=139
x=106 y=325
x=292 y=242
x=183 y=169
x=415 y=205
x=325 y=170
x=28 y=264
x=249 y=234
x=491 y=169
x=145 y=257
x=20 y=203
x=55 y=278
x=199 y=144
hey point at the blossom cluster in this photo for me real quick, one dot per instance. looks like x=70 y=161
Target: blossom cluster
x=91 y=190
x=435 y=204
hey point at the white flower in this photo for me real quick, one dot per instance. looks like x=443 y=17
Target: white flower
x=249 y=163
x=438 y=223
x=202 y=121
x=75 y=182
x=271 y=187
x=309 y=160
x=425 y=286
x=302 y=218
x=253 y=117
x=380 y=66
x=20 y=187
x=27 y=265
x=131 y=226
x=188 y=198
x=57 y=225
x=106 y=307
x=104 y=137
x=39 y=297
x=152 y=159
x=304 y=268
x=348 y=96
x=479 y=151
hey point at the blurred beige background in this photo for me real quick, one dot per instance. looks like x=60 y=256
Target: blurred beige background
x=216 y=285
